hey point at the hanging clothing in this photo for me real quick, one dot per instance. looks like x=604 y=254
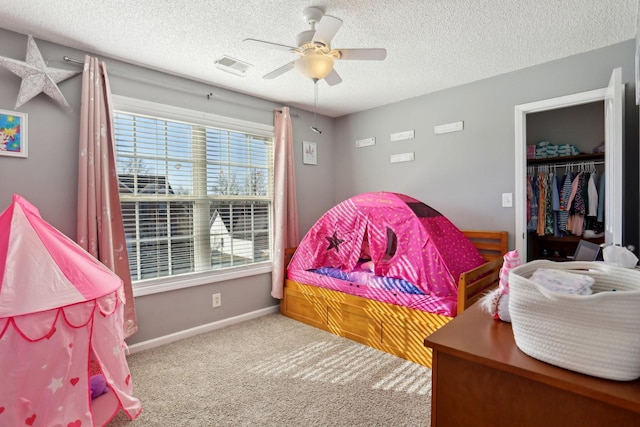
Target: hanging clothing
x=555 y=204
x=532 y=225
x=593 y=195
x=563 y=215
x=542 y=204
x=598 y=226
x=577 y=211
x=560 y=205
x=592 y=206
x=529 y=195
x=548 y=225
x=601 y=196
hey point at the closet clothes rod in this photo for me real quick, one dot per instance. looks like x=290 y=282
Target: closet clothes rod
x=566 y=166
x=583 y=163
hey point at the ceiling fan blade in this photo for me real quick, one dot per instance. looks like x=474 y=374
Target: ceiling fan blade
x=326 y=29
x=366 y=54
x=333 y=78
x=279 y=71
x=269 y=45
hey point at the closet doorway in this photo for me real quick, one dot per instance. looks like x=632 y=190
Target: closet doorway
x=613 y=97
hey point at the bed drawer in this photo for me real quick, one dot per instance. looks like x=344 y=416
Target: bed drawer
x=305 y=308
x=404 y=339
x=354 y=323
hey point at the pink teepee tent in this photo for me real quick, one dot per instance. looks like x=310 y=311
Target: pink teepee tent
x=59 y=308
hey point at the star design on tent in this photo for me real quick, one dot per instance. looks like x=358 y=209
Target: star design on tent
x=334 y=242
x=37 y=77
x=56 y=383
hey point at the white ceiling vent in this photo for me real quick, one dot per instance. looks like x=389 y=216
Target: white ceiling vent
x=233 y=66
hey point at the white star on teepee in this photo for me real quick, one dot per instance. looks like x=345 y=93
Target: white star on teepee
x=36 y=76
x=55 y=384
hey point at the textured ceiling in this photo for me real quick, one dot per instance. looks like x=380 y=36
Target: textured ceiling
x=431 y=44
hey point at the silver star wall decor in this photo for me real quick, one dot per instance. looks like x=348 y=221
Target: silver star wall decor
x=37 y=76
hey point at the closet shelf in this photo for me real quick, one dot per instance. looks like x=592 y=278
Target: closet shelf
x=567 y=159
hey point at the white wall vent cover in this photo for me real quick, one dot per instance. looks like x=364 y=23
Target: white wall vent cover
x=233 y=66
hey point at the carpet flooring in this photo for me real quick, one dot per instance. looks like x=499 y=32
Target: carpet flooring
x=275 y=371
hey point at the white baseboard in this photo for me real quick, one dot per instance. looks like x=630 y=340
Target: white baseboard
x=166 y=339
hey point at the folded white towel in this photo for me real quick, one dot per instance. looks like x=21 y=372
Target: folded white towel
x=563 y=281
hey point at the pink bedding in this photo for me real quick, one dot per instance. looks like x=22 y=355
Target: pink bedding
x=445 y=306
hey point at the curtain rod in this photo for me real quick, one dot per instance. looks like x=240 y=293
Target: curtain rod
x=188 y=90
x=296 y=115
x=74 y=61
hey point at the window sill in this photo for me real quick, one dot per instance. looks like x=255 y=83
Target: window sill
x=166 y=284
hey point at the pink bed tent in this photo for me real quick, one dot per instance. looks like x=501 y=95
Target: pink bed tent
x=59 y=308
x=404 y=238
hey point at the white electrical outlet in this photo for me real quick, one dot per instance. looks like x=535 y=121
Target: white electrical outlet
x=217 y=300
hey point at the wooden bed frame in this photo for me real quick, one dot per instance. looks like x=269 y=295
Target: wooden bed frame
x=397 y=330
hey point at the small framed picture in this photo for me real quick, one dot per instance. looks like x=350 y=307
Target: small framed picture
x=309 y=153
x=13 y=134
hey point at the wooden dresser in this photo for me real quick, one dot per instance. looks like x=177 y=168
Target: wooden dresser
x=481 y=378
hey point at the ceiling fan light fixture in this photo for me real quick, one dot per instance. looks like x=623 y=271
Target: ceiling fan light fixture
x=316 y=57
x=315 y=66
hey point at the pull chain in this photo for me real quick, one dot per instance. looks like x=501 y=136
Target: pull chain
x=315 y=109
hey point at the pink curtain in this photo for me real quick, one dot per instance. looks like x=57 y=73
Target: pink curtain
x=285 y=205
x=100 y=229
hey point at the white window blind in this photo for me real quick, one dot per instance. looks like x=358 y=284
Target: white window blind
x=195 y=197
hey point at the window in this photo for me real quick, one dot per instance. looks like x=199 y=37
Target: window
x=196 y=190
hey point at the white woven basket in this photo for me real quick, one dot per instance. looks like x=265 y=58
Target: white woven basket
x=596 y=334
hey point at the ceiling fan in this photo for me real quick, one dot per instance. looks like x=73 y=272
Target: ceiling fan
x=314 y=48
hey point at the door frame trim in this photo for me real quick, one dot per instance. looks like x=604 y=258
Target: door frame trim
x=521 y=112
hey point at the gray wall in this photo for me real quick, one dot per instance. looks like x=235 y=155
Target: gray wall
x=463 y=174
x=48 y=177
